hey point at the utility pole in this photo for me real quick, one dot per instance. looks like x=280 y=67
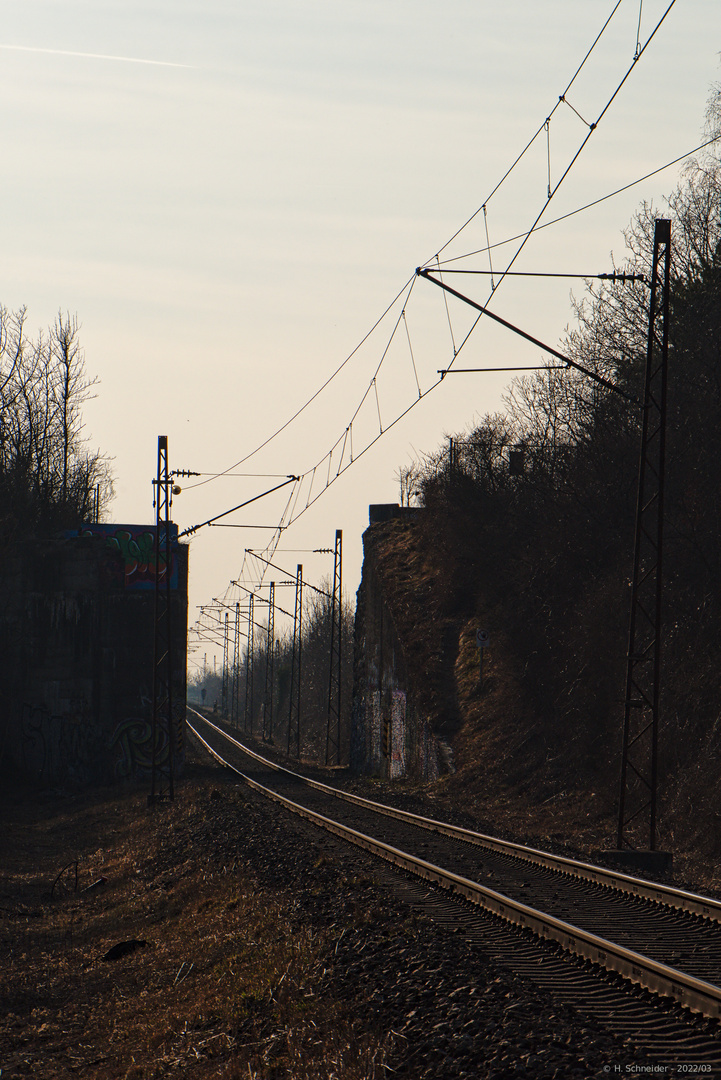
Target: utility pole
x=296 y=667
x=248 y=712
x=639 y=766
x=162 y=727
x=452 y=455
x=636 y=836
x=332 y=740
x=234 y=711
x=270 y=656
x=224 y=683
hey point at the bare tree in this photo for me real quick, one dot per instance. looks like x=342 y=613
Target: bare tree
x=49 y=479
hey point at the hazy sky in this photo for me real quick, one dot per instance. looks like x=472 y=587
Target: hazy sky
x=229 y=195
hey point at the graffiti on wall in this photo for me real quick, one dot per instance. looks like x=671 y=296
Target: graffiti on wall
x=376 y=723
x=55 y=746
x=62 y=746
x=131 y=746
x=136 y=546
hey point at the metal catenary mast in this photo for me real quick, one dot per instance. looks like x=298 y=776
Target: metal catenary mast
x=162 y=726
x=333 y=731
x=294 y=709
x=269 y=667
x=249 y=703
x=639 y=767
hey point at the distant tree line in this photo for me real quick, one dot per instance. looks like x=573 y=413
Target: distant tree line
x=49 y=479
x=242 y=694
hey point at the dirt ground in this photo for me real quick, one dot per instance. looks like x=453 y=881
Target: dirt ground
x=204 y=948
x=207 y=938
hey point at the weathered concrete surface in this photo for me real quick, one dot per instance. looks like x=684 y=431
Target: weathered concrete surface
x=76 y=680
x=391 y=736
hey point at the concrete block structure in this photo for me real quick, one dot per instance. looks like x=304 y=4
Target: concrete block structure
x=390 y=735
x=76 y=639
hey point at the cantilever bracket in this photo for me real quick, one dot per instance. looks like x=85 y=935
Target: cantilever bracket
x=522 y=333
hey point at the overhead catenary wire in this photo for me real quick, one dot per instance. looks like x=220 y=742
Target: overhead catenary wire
x=410 y=349
x=306 y=584
x=292 y=511
x=586 y=206
x=366 y=448
x=638 y=30
x=521 y=236
x=525 y=236
x=210 y=521
x=562 y=99
x=533 y=138
x=255 y=592
x=488 y=244
x=548 y=150
x=313 y=396
x=591 y=128
x=271 y=548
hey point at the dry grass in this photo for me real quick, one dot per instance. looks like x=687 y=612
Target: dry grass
x=228 y=985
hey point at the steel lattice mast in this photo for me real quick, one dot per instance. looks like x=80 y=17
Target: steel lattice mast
x=162 y=726
x=269 y=665
x=224 y=682
x=333 y=736
x=234 y=709
x=639 y=767
x=296 y=666
x=249 y=703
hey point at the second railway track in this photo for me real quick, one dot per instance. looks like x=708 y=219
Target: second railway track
x=659 y=938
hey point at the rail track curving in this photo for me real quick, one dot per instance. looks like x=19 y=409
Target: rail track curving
x=662 y=943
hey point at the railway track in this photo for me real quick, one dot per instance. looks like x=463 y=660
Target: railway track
x=662 y=944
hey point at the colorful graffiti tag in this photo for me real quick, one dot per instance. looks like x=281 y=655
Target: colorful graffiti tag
x=136 y=546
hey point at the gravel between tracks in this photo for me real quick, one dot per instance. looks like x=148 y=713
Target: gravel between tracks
x=439 y=1007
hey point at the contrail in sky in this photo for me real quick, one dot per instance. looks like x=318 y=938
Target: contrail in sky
x=94 y=56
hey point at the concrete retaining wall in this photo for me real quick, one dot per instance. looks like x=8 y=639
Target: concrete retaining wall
x=390 y=737
x=76 y=680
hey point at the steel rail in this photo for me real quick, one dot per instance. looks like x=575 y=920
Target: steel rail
x=695 y=994
x=679 y=899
